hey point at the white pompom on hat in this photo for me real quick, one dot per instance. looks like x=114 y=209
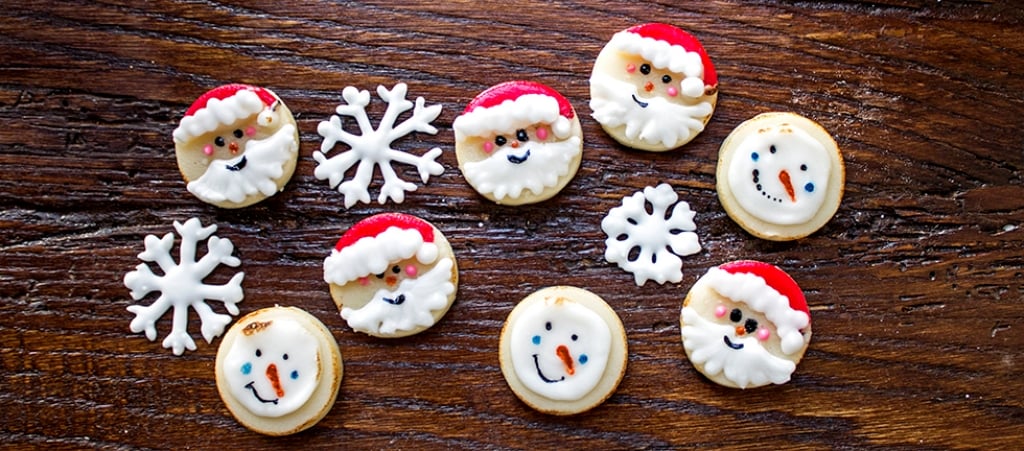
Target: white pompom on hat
x=509 y=106
x=375 y=243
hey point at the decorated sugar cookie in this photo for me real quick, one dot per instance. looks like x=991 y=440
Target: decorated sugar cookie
x=780 y=176
x=563 y=350
x=745 y=324
x=653 y=87
x=278 y=370
x=236 y=146
x=650 y=244
x=392 y=275
x=518 y=142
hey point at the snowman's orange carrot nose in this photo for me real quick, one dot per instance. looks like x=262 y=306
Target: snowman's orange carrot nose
x=275 y=380
x=788 y=184
x=563 y=353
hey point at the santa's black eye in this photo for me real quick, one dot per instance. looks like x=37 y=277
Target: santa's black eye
x=218 y=141
x=521 y=135
x=547 y=325
x=259 y=353
x=238 y=133
x=750 y=326
x=395 y=269
x=666 y=79
x=735 y=315
x=645 y=69
x=500 y=141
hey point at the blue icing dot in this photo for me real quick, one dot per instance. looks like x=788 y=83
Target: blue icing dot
x=809 y=187
x=754 y=156
x=246 y=368
x=583 y=359
x=536 y=339
x=295 y=374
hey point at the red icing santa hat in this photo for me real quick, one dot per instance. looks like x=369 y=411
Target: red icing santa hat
x=223 y=106
x=768 y=290
x=375 y=243
x=507 y=107
x=668 y=47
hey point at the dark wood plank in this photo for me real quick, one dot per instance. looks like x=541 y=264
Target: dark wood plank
x=915 y=286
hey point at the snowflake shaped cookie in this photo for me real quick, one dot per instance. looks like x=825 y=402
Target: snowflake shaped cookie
x=649 y=244
x=372 y=147
x=181 y=285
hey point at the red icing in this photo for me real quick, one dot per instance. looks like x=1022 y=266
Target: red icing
x=775 y=278
x=675 y=36
x=225 y=91
x=377 y=224
x=511 y=90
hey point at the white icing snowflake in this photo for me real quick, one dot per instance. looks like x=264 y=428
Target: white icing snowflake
x=181 y=285
x=373 y=147
x=649 y=244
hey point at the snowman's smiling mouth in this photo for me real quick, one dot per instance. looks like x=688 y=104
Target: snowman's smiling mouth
x=519 y=160
x=638 y=102
x=729 y=343
x=540 y=373
x=251 y=387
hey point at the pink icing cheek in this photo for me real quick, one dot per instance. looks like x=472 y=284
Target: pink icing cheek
x=542 y=133
x=364 y=281
x=672 y=91
x=411 y=271
x=630 y=68
x=720 y=311
x=488 y=147
x=763 y=334
x=208 y=150
x=250 y=131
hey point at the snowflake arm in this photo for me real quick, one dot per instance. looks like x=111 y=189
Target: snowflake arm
x=373 y=147
x=649 y=244
x=181 y=285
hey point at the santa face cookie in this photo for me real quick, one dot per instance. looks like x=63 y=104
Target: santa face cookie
x=653 y=87
x=278 y=370
x=745 y=324
x=780 y=176
x=563 y=350
x=518 y=142
x=236 y=146
x=392 y=275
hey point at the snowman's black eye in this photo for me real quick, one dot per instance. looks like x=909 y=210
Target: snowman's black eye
x=645 y=69
x=218 y=141
x=522 y=136
x=259 y=353
x=238 y=133
x=547 y=325
x=803 y=167
x=666 y=79
x=735 y=315
x=772 y=149
x=574 y=337
x=395 y=269
x=285 y=357
x=500 y=141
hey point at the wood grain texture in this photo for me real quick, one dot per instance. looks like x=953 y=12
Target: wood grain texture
x=915 y=286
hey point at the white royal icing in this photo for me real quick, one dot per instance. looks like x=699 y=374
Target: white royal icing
x=539 y=166
x=373 y=255
x=264 y=161
x=409 y=306
x=798 y=155
x=217 y=112
x=525 y=111
x=660 y=238
x=273 y=367
x=536 y=358
x=751 y=365
x=663 y=55
x=660 y=122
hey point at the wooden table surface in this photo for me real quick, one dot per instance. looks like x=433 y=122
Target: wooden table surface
x=915 y=285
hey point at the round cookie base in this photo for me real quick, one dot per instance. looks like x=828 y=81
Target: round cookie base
x=759 y=227
x=617 y=357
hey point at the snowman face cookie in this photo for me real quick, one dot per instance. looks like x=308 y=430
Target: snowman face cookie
x=392 y=275
x=236 y=146
x=653 y=87
x=278 y=370
x=563 y=350
x=518 y=142
x=780 y=176
x=745 y=324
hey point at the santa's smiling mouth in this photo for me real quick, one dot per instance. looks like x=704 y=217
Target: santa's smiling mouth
x=729 y=343
x=396 y=301
x=237 y=166
x=257 y=395
x=518 y=160
x=638 y=102
x=540 y=373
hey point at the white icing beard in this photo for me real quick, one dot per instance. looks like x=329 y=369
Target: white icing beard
x=407 y=307
x=537 y=361
x=805 y=162
x=274 y=371
x=752 y=365
x=543 y=166
x=264 y=163
x=661 y=122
